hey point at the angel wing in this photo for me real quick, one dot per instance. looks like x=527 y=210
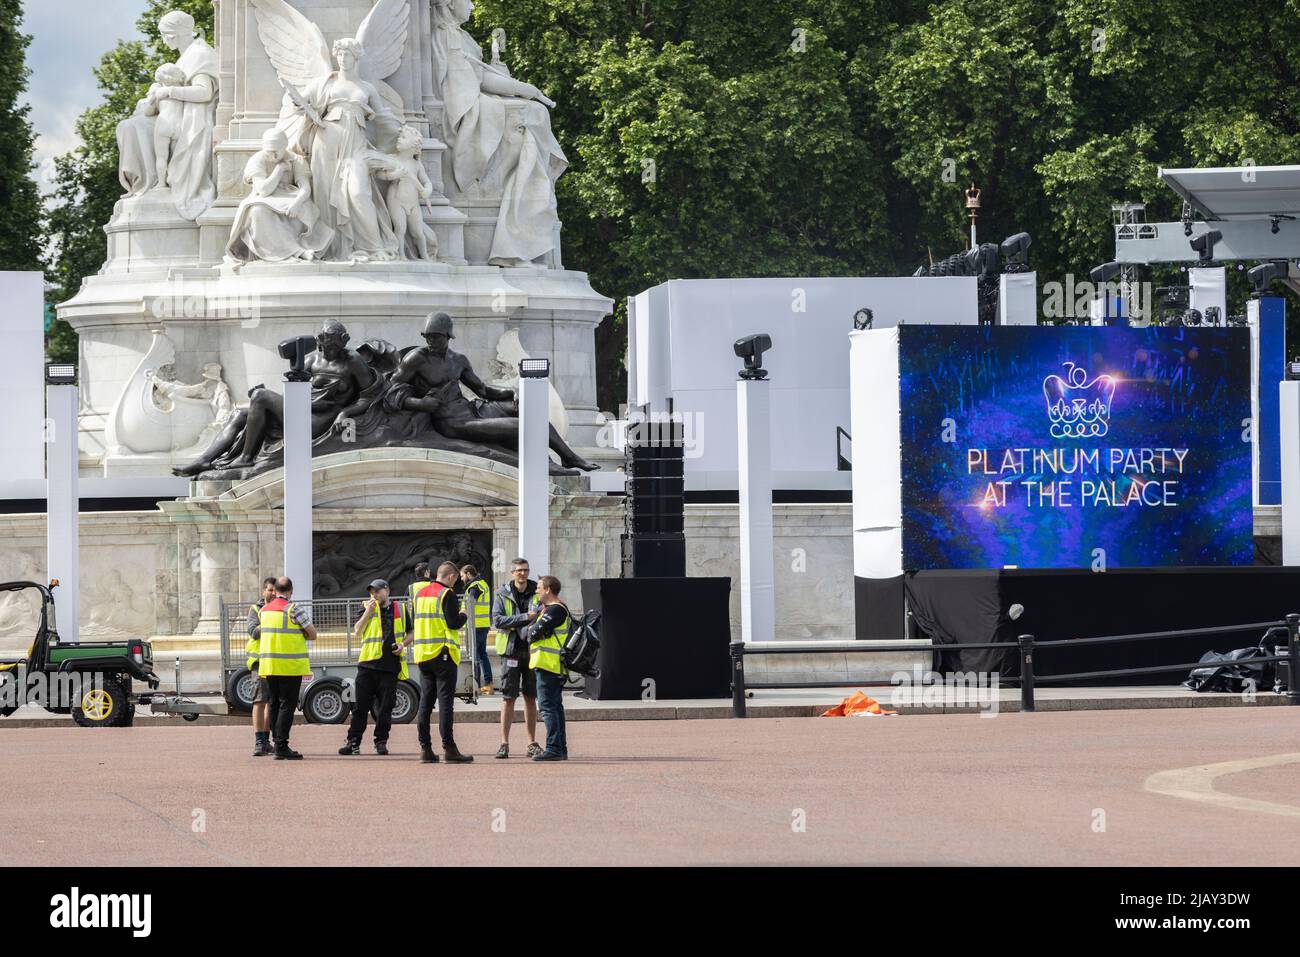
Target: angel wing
x=382 y=35
x=296 y=46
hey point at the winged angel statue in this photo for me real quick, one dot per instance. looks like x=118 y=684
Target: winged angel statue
x=339 y=116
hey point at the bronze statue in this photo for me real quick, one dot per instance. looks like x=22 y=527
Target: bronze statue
x=429 y=380
x=343 y=386
x=367 y=398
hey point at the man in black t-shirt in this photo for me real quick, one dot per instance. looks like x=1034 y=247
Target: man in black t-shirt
x=381 y=632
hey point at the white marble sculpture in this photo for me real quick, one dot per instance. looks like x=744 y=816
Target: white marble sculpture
x=345 y=120
x=491 y=119
x=167 y=144
x=408 y=185
x=277 y=220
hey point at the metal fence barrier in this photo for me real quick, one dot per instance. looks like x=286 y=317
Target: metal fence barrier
x=1026 y=646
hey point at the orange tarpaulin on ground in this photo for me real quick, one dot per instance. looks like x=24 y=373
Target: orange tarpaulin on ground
x=857 y=705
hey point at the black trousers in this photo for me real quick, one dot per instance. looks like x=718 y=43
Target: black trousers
x=284 y=691
x=373 y=685
x=437 y=682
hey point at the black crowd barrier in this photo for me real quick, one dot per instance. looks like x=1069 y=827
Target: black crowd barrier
x=1027 y=647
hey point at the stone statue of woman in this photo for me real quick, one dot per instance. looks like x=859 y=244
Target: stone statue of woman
x=490 y=118
x=189 y=167
x=340 y=114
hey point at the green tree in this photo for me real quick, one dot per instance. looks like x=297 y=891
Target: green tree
x=86 y=186
x=22 y=235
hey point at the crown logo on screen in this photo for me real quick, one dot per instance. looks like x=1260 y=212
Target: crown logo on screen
x=1077 y=408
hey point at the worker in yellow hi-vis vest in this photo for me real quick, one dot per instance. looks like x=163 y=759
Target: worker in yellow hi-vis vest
x=381 y=663
x=438 y=619
x=546 y=637
x=478 y=602
x=282 y=661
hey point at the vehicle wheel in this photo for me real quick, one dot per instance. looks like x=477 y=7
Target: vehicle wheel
x=405 y=706
x=324 y=704
x=105 y=706
x=241 y=689
x=190 y=717
x=8 y=693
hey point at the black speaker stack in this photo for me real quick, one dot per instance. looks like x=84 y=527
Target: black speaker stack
x=654 y=540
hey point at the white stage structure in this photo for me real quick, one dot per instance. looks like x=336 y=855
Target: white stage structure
x=680 y=336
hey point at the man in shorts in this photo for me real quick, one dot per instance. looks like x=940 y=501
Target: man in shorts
x=262 y=695
x=513 y=606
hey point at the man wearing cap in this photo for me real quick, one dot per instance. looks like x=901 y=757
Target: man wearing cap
x=381 y=663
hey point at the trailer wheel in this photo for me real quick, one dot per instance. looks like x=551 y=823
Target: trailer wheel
x=241 y=689
x=106 y=706
x=325 y=704
x=405 y=705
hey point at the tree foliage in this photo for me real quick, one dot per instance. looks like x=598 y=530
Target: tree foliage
x=835 y=137
x=22 y=236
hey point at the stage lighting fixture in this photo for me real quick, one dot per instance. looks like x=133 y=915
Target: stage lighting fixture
x=534 y=368
x=1263 y=274
x=61 y=373
x=1204 y=244
x=295 y=351
x=1105 y=272
x=751 y=349
x=1213 y=316
x=862 y=319
x=1192 y=317
x=1015 y=252
x=1293 y=368
x=1015 y=611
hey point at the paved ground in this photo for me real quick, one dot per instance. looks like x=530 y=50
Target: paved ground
x=1054 y=788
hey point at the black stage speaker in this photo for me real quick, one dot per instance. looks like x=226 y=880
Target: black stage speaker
x=675 y=632
x=654 y=556
x=654 y=507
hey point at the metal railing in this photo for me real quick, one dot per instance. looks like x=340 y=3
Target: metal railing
x=1026 y=645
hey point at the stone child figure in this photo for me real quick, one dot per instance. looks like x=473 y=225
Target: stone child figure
x=169 y=112
x=429 y=380
x=408 y=185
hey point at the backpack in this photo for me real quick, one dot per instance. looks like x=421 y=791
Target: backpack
x=583 y=645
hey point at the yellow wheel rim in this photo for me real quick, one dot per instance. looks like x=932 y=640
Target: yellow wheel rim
x=97 y=704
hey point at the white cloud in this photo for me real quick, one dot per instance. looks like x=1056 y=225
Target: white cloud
x=68 y=38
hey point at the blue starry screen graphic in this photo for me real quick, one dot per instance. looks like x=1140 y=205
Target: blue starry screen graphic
x=1088 y=447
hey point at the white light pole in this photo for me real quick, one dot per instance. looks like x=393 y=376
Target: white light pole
x=62 y=497
x=535 y=464
x=297 y=482
x=754 y=418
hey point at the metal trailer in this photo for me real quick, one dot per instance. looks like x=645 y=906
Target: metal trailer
x=328 y=695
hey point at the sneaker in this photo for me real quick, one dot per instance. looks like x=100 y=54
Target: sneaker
x=534 y=749
x=486 y=689
x=427 y=756
x=350 y=748
x=287 y=753
x=261 y=749
x=503 y=751
x=453 y=756
x=381 y=747
x=549 y=756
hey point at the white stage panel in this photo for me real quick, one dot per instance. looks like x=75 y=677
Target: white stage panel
x=683 y=335
x=22 y=376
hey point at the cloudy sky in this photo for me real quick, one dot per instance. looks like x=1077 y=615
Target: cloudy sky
x=68 y=38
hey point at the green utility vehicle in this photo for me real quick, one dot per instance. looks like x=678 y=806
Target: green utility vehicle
x=92 y=680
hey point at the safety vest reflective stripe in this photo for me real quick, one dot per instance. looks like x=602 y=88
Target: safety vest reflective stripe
x=282 y=649
x=431 y=632
x=546 y=654
x=477 y=590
